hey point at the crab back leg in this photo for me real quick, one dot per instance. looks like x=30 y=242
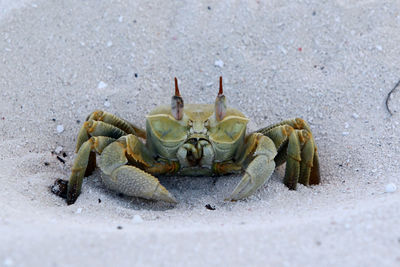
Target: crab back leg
x=97 y=128
x=106 y=124
x=259 y=153
x=122 y=124
x=130 y=179
x=296 y=146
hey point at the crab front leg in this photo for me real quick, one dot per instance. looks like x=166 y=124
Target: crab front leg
x=130 y=179
x=259 y=154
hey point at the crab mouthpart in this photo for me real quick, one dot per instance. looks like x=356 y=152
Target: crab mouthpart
x=194 y=150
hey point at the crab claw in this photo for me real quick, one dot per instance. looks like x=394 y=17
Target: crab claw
x=220 y=103
x=263 y=151
x=256 y=175
x=177 y=103
x=127 y=179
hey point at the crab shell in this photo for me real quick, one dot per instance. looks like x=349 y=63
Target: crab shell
x=198 y=139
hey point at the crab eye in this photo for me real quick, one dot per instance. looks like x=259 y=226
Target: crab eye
x=177 y=103
x=220 y=103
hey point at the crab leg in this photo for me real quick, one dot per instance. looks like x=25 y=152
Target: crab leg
x=292 y=170
x=261 y=151
x=124 y=125
x=296 y=146
x=94 y=144
x=106 y=124
x=128 y=179
x=97 y=128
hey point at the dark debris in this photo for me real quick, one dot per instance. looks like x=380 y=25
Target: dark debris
x=209 y=207
x=388 y=97
x=60 y=188
x=61 y=159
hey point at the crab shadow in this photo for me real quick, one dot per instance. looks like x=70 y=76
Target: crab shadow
x=188 y=190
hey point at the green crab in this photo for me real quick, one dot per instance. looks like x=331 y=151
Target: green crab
x=197 y=139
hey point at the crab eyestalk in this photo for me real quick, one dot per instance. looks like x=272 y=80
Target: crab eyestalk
x=177 y=103
x=220 y=103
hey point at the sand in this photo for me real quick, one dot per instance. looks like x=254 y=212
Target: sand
x=332 y=63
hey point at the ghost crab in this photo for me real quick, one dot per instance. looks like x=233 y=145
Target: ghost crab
x=197 y=139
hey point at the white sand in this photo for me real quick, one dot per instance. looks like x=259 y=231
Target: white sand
x=330 y=63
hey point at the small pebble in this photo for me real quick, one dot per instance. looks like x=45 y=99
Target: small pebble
x=345 y=133
x=109 y=43
x=8 y=262
x=355 y=116
x=107 y=103
x=219 y=63
x=102 y=85
x=390 y=188
x=79 y=210
x=121 y=19
x=283 y=50
x=137 y=219
x=58 y=149
x=379 y=47
x=60 y=128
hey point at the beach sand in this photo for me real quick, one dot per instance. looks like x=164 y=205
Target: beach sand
x=331 y=63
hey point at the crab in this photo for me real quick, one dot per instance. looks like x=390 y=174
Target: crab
x=191 y=140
